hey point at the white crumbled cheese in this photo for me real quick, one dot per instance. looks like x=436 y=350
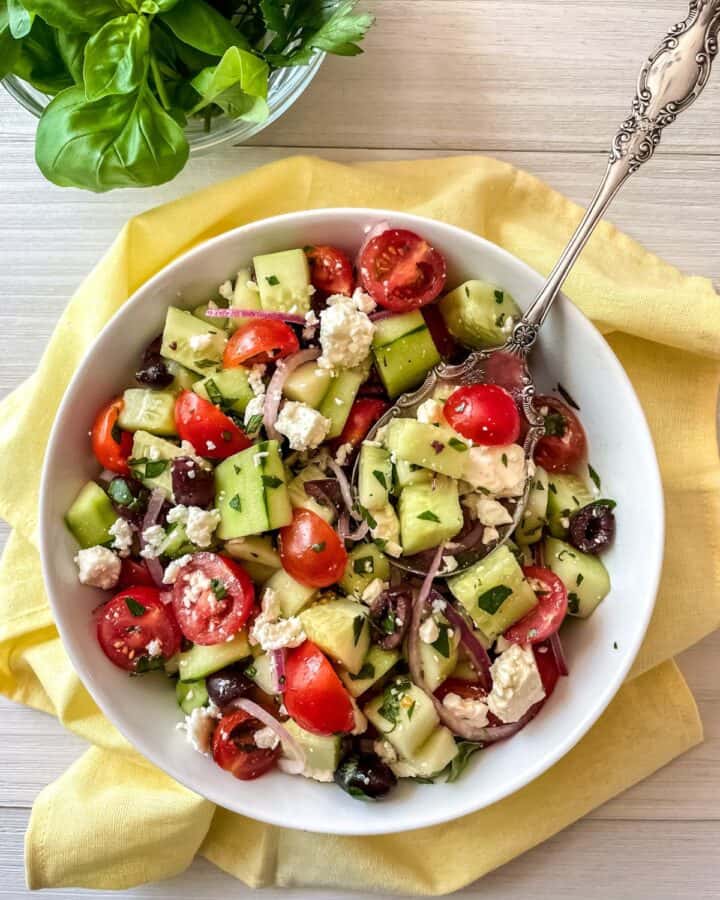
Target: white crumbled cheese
x=516 y=684
x=489 y=535
x=211 y=445
x=311 y=323
x=438 y=605
x=565 y=521
x=429 y=631
x=364 y=302
x=197 y=584
x=270 y=631
x=254 y=408
x=373 y=590
x=473 y=711
x=199 y=523
x=259 y=457
x=154 y=648
x=98 y=567
x=450 y=563
x=255 y=379
x=177 y=514
x=345 y=334
x=385 y=751
x=266 y=739
x=226 y=290
x=153 y=538
x=486 y=510
x=431 y=413
x=387 y=528
x=173 y=569
x=122 y=536
x=199 y=727
x=199 y=342
x=304 y=427
x=344 y=452
x=500 y=470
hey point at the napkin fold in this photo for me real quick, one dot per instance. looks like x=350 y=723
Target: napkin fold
x=113 y=820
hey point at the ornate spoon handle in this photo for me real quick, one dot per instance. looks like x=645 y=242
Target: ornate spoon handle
x=670 y=81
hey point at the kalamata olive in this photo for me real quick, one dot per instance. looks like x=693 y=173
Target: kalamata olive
x=129 y=498
x=192 y=484
x=153 y=371
x=592 y=528
x=365 y=776
x=390 y=616
x=227 y=684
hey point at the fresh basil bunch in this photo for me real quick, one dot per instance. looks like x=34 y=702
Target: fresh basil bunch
x=125 y=75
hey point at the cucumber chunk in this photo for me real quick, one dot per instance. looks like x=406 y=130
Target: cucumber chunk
x=308 y=384
x=284 y=281
x=229 y=389
x=147 y=410
x=566 y=495
x=259 y=670
x=404 y=715
x=200 y=312
x=477 y=313
x=408 y=473
x=151 y=459
x=341 y=629
x=438 y=751
x=429 y=446
x=366 y=562
x=340 y=397
x=429 y=514
x=191 y=342
x=300 y=499
x=376 y=665
x=200 y=661
x=404 y=351
x=91 y=516
x=183 y=379
x=375 y=477
x=495 y=592
x=177 y=543
x=439 y=659
x=291 y=595
x=191 y=694
x=322 y=752
x=530 y=529
x=585 y=576
x=258 y=550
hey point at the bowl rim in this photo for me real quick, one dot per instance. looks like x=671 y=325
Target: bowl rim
x=435 y=814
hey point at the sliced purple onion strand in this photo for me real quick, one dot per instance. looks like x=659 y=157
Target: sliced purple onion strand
x=273 y=397
x=292 y=766
x=557 y=651
x=277 y=670
x=152 y=514
x=472 y=645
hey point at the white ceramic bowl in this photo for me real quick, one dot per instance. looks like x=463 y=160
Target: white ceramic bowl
x=600 y=650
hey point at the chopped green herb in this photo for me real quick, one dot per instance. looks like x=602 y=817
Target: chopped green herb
x=235 y=503
x=580 y=578
x=467 y=292
x=552 y=487
x=251 y=671
x=365 y=513
x=207 y=363
x=358 y=623
x=459 y=763
x=429 y=516
x=237 y=469
x=380 y=476
x=136 y=609
x=567 y=398
x=155 y=467
x=254 y=423
x=226 y=435
x=504 y=460
x=555 y=424
x=539 y=486
x=272 y=280
x=411 y=709
x=500 y=320
x=271 y=481
x=615 y=645
x=380 y=543
x=218 y=588
x=442 y=644
x=364 y=565
x=499 y=296
x=147 y=664
x=563 y=553
x=387 y=623
x=594 y=476
x=319 y=547
x=458 y=445
x=214 y=393
x=367 y=671
x=573 y=602
x=608 y=504
x=492 y=600
x=392 y=697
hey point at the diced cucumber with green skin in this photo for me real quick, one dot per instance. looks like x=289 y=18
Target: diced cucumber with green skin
x=200 y=312
x=438 y=751
x=183 y=379
x=308 y=384
x=258 y=550
x=375 y=476
x=530 y=529
x=376 y=665
x=404 y=352
x=149 y=452
x=180 y=327
x=408 y=473
x=439 y=659
x=340 y=397
x=292 y=596
x=322 y=752
x=284 y=281
x=341 y=629
x=251 y=493
x=259 y=670
x=494 y=592
x=475 y=313
x=257 y=571
x=177 y=543
x=404 y=715
x=429 y=514
x=430 y=446
x=229 y=389
x=566 y=495
x=147 y=410
x=191 y=695
x=91 y=516
x=300 y=499
x=366 y=562
x=584 y=575
x=200 y=661
x=243 y=298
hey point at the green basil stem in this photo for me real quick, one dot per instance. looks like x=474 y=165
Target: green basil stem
x=159 y=83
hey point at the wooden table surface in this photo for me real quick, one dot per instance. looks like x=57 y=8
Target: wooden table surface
x=541 y=84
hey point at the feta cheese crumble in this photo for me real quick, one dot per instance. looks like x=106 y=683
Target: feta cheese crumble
x=516 y=684
x=345 y=334
x=363 y=302
x=98 y=567
x=473 y=711
x=266 y=739
x=173 y=569
x=255 y=379
x=486 y=510
x=226 y=290
x=272 y=632
x=154 y=648
x=304 y=427
x=429 y=631
x=373 y=590
x=431 y=413
x=344 y=452
x=122 y=536
x=197 y=584
x=255 y=407
x=387 y=528
x=200 y=524
x=153 y=538
x=199 y=342
x=500 y=470
x=199 y=727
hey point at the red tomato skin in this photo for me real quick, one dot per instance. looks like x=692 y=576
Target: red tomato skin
x=364 y=413
x=260 y=341
x=561 y=454
x=314 y=695
x=211 y=620
x=331 y=271
x=238 y=753
x=111 y=454
x=158 y=622
x=208 y=429
x=484 y=413
x=547 y=617
x=134 y=573
x=313 y=568
x=401 y=271
x=547 y=667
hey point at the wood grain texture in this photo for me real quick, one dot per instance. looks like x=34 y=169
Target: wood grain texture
x=541 y=84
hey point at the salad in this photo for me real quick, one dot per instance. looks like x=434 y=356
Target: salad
x=281 y=602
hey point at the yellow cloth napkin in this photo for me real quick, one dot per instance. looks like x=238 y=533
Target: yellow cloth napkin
x=113 y=820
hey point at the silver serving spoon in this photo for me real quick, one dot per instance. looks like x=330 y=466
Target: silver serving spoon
x=670 y=81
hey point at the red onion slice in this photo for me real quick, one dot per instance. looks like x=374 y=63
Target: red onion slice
x=152 y=514
x=273 y=397
x=277 y=670
x=292 y=766
x=234 y=313
x=559 y=654
x=382 y=314
x=345 y=489
x=348 y=534
x=473 y=647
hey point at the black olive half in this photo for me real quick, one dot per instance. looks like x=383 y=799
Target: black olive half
x=227 y=684
x=592 y=528
x=192 y=484
x=153 y=371
x=365 y=776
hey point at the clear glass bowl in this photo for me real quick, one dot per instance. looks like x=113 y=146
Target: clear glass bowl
x=286 y=85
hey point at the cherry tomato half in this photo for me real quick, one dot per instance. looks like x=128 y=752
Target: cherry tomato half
x=547 y=666
x=485 y=413
x=234 y=748
x=213 y=598
x=209 y=430
x=111 y=445
x=364 y=413
x=314 y=695
x=330 y=270
x=468 y=690
x=133 y=619
x=564 y=446
x=401 y=271
x=260 y=341
x=548 y=615
x=310 y=551
x=134 y=573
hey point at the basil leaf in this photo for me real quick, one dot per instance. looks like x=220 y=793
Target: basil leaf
x=594 y=476
x=428 y=516
x=136 y=609
x=358 y=623
x=458 y=765
x=39 y=61
x=120 y=141
x=329 y=27
x=19 y=19
x=117 y=57
x=271 y=481
x=196 y=23
x=238 y=84
x=442 y=644
x=71 y=48
x=9 y=47
x=493 y=599
x=84 y=16
x=367 y=671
